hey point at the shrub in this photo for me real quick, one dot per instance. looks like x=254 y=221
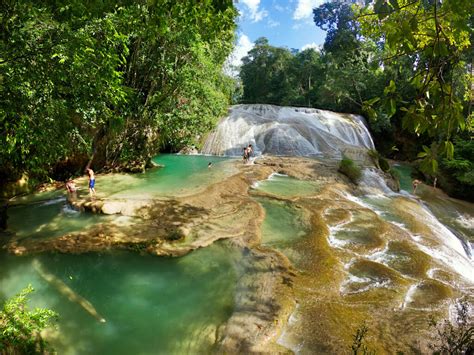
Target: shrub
x=384 y=164
x=21 y=328
x=350 y=169
x=454 y=337
x=375 y=156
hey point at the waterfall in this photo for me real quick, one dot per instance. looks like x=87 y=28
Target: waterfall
x=288 y=131
x=372 y=183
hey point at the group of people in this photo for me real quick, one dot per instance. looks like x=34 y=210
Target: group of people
x=71 y=187
x=247 y=153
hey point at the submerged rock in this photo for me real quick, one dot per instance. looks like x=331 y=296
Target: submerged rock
x=189 y=150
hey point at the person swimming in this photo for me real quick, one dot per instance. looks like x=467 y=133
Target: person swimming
x=71 y=190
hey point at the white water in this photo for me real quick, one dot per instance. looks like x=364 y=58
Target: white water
x=372 y=183
x=449 y=249
x=288 y=131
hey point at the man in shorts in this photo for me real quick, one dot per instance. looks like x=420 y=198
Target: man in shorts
x=91 y=175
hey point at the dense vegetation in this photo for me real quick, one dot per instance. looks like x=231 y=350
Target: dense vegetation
x=21 y=328
x=406 y=65
x=107 y=82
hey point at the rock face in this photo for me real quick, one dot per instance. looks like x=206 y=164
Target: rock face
x=288 y=131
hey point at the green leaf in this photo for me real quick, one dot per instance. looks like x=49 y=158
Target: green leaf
x=394 y=4
x=449 y=149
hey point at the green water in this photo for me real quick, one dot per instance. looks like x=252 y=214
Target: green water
x=405 y=176
x=285 y=186
x=181 y=174
x=151 y=305
x=284 y=224
x=49 y=219
x=47 y=215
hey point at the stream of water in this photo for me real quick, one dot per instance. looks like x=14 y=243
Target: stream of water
x=389 y=259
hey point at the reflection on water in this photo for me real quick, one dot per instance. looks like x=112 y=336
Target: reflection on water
x=151 y=304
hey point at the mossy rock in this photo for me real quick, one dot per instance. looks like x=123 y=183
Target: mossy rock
x=350 y=169
x=384 y=164
x=174 y=236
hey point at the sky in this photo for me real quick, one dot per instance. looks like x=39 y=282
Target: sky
x=285 y=23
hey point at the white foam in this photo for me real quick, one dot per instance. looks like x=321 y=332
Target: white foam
x=363 y=284
x=465 y=221
x=273 y=175
x=287 y=131
x=373 y=183
x=53 y=201
x=409 y=296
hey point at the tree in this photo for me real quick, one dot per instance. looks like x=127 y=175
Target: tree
x=265 y=75
x=435 y=37
x=337 y=18
x=21 y=328
x=111 y=81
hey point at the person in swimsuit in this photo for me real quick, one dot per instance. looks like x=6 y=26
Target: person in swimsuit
x=71 y=190
x=415 y=184
x=246 y=155
x=91 y=175
x=249 y=151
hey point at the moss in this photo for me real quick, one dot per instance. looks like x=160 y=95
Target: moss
x=384 y=164
x=350 y=169
x=174 y=236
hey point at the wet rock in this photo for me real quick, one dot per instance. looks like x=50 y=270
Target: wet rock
x=189 y=150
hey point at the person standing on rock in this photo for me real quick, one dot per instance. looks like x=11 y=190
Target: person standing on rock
x=249 y=151
x=91 y=175
x=246 y=155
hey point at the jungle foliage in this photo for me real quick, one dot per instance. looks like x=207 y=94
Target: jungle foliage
x=21 y=328
x=406 y=65
x=108 y=81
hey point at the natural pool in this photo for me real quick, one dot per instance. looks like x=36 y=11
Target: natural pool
x=156 y=305
x=377 y=257
x=179 y=174
x=151 y=304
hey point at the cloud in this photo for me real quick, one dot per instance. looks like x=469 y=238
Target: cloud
x=279 y=8
x=272 y=23
x=234 y=61
x=304 y=8
x=255 y=14
x=296 y=26
x=313 y=45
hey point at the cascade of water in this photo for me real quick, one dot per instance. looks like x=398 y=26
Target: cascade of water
x=373 y=183
x=288 y=131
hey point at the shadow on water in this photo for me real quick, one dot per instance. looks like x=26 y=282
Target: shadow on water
x=157 y=305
